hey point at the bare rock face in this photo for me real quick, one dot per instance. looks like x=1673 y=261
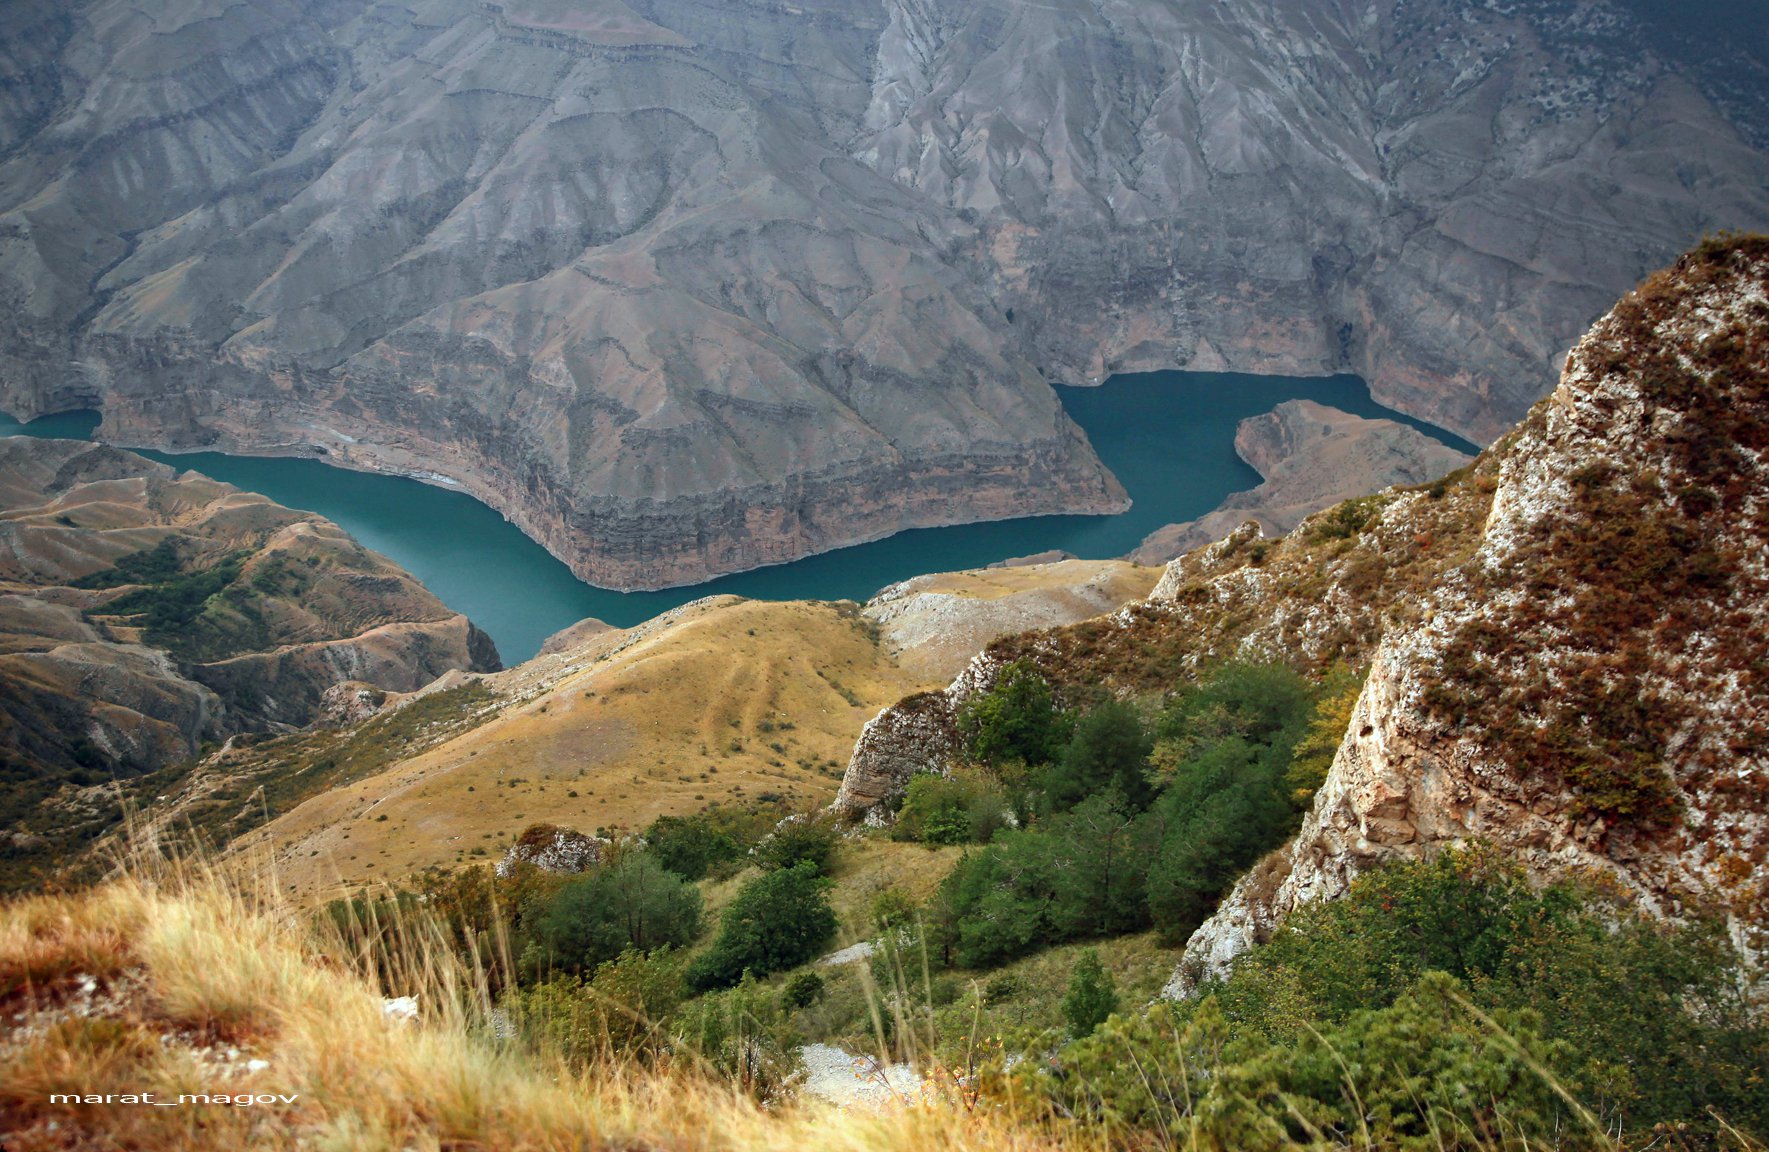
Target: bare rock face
x=917 y=734
x=553 y=849
x=933 y=625
x=144 y=611
x=1310 y=456
x=1587 y=690
x=685 y=288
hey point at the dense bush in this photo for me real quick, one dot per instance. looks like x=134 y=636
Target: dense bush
x=630 y=902
x=1091 y=998
x=622 y=1012
x=1097 y=864
x=1434 y=1004
x=779 y=920
x=958 y=809
x=1109 y=752
x=1225 y=756
x=1017 y=720
x=713 y=842
x=1073 y=876
x=795 y=842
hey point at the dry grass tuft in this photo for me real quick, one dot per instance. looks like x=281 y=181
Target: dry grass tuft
x=194 y=965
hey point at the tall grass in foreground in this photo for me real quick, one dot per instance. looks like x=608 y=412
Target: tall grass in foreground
x=145 y=984
x=176 y=979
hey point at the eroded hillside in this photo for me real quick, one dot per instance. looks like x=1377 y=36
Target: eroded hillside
x=685 y=288
x=144 y=612
x=1563 y=637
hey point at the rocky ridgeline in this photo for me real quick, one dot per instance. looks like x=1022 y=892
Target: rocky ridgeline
x=144 y=611
x=1587 y=690
x=1564 y=638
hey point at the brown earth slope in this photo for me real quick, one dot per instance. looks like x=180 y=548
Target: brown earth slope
x=1309 y=456
x=144 y=611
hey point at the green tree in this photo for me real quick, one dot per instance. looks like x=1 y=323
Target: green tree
x=1016 y=720
x=631 y=901
x=950 y=810
x=779 y=920
x=1109 y=751
x=1314 y=752
x=1224 y=808
x=691 y=846
x=798 y=841
x=1265 y=704
x=1092 y=996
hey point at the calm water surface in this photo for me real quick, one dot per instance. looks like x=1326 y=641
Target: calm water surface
x=1167 y=436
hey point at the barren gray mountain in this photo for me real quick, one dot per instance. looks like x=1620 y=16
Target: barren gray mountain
x=691 y=286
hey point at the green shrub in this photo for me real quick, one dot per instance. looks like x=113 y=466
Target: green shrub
x=630 y=902
x=802 y=990
x=620 y=1013
x=795 y=842
x=1225 y=807
x=1074 y=876
x=1092 y=997
x=1016 y=720
x=1444 y=1004
x=745 y=1034
x=779 y=920
x=950 y=810
x=1108 y=752
x=713 y=842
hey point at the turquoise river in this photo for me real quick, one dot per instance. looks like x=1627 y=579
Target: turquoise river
x=1167 y=436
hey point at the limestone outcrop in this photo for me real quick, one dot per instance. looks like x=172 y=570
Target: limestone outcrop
x=553 y=849
x=1585 y=691
x=1562 y=638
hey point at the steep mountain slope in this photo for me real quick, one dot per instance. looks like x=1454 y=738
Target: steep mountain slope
x=720 y=701
x=685 y=288
x=144 y=611
x=1588 y=691
x=1564 y=638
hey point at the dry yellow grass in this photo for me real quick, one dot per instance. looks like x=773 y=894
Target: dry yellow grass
x=729 y=700
x=186 y=968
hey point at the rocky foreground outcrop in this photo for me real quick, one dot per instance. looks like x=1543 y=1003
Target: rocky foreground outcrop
x=1587 y=690
x=144 y=611
x=684 y=288
x=1309 y=456
x=1564 y=638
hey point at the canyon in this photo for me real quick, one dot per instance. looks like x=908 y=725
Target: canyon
x=686 y=288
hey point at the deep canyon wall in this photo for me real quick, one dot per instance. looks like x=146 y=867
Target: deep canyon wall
x=689 y=287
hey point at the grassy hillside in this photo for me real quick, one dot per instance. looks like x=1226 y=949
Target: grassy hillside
x=723 y=701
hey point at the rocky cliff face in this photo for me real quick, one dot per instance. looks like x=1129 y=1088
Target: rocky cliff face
x=1564 y=638
x=143 y=611
x=1310 y=456
x=685 y=288
x=1587 y=690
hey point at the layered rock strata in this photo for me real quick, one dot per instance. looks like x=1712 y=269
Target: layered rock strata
x=684 y=288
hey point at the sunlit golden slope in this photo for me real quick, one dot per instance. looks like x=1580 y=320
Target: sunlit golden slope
x=724 y=699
